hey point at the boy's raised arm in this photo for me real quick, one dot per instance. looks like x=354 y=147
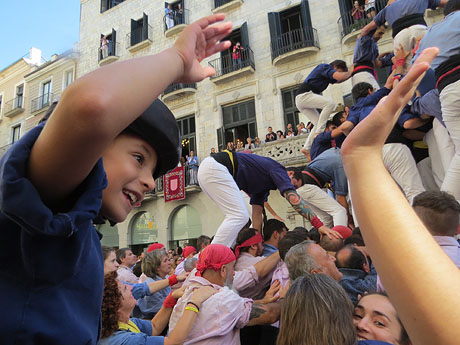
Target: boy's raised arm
x=100 y=105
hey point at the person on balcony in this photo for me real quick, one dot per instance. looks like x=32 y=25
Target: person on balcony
x=169 y=17
x=236 y=56
x=308 y=97
x=369 y=9
x=249 y=145
x=104 y=46
x=192 y=165
x=357 y=12
x=179 y=14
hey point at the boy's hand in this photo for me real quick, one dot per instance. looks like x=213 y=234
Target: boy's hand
x=198 y=41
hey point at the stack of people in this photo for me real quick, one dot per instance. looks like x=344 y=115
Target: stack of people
x=362 y=274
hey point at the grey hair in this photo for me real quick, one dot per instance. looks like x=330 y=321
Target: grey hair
x=299 y=262
x=190 y=264
x=152 y=262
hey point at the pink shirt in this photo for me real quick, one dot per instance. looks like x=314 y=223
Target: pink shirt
x=126 y=275
x=256 y=291
x=220 y=317
x=281 y=273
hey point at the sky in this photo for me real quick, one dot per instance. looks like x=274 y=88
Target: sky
x=49 y=25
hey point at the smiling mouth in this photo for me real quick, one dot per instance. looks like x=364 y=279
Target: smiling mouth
x=132 y=197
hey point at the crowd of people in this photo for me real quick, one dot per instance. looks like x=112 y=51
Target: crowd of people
x=362 y=274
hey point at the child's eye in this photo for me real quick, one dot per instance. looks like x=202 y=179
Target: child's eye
x=139 y=158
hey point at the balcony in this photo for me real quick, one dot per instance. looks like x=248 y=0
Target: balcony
x=41 y=103
x=293 y=44
x=225 y=5
x=174 y=26
x=178 y=90
x=350 y=27
x=139 y=38
x=189 y=187
x=111 y=54
x=15 y=106
x=228 y=69
x=285 y=151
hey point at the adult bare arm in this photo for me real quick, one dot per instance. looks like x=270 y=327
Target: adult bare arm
x=98 y=106
x=265 y=266
x=422 y=293
x=257 y=217
x=264 y=314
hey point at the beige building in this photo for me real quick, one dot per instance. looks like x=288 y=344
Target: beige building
x=14 y=97
x=282 y=40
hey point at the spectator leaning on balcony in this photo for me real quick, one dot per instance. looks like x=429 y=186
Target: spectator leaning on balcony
x=369 y=8
x=309 y=98
x=236 y=56
x=270 y=136
x=406 y=18
x=357 y=12
x=179 y=14
x=192 y=164
x=169 y=17
x=249 y=145
x=104 y=46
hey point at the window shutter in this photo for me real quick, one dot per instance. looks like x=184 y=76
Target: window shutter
x=220 y=138
x=274 y=23
x=306 y=21
x=145 y=27
x=244 y=35
x=114 y=43
x=133 y=32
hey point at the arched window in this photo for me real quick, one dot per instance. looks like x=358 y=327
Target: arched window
x=110 y=235
x=185 y=226
x=143 y=231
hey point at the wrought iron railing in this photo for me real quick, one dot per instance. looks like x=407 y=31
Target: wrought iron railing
x=178 y=86
x=139 y=35
x=176 y=18
x=226 y=63
x=16 y=103
x=112 y=49
x=293 y=40
x=348 y=24
x=41 y=102
x=190 y=180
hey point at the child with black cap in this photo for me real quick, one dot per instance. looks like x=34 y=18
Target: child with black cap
x=98 y=154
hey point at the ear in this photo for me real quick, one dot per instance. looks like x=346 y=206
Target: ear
x=316 y=271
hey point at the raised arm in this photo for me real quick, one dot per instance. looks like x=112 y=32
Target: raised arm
x=425 y=296
x=97 y=107
x=342 y=76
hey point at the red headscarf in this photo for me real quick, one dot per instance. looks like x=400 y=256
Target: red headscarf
x=154 y=246
x=214 y=257
x=188 y=250
x=257 y=238
x=343 y=230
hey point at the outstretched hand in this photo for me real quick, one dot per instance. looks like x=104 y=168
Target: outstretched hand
x=198 y=41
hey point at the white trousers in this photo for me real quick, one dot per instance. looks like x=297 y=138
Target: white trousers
x=326 y=208
x=307 y=103
x=450 y=106
x=216 y=181
x=425 y=170
x=364 y=77
x=408 y=39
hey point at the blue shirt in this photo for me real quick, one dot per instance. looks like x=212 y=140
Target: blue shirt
x=356 y=282
x=51 y=266
x=428 y=104
x=402 y=8
x=257 y=175
x=193 y=162
x=320 y=78
x=151 y=304
x=445 y=35
x=124 y=337
x=365 y=105
x=366 y=50
x=269 y=250
x=321 y=143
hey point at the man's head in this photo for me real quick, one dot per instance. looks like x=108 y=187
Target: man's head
x=379 y=32
x=339 y=65
x=330 y=126
x=274 y=230
x=249 y=241
x=126 y=257
x=351 y=257
x=249 y=140
x=191 y=153
x=213 y=150
x=216 y=264
x=295 y=174
x=189 y=252
x=331 y=245
x=339 y=118
x=439 y=211
x=289 y=126
x=361 y=90
x=451 y=6
x=291 y=239
x=202 y=242
x=270 y=129
x=309 y=258
x=190 y=264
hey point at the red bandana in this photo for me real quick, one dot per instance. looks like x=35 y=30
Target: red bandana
x=257 y=238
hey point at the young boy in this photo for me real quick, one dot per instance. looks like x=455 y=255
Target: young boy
x=95 y=155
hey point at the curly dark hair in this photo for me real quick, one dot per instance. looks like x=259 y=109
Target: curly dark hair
x=111 y=302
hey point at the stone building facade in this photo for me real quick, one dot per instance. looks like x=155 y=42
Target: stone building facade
x=283 y=41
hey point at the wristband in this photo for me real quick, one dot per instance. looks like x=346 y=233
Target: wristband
x=197 y=307
x=169 y=301
x=172 y=280
x=316 y=222
x=192 y=309
x=397 y=76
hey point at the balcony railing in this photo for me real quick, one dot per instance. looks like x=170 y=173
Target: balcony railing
x=139 y=35
x=190 y=181
x=348 y=24
x=226 y=64
x=179 y=86
x=294 y=40
x=41 y=102
x=176 y=19
x=15 y=106
x=109 y=53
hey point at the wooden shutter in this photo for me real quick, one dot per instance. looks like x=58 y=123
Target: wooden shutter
x=133 y=32
x=306 y=22
x=113 y=51
x=220 y=138
x=145 y=27
x=274 y=23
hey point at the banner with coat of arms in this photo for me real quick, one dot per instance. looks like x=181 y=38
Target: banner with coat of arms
x=174 y=184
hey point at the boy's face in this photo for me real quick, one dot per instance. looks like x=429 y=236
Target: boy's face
x=129 y=163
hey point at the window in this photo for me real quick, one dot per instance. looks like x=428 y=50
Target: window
x=291 y=113
x=19 y=96
x=143 y=230
x=348 y=100
x=239 y=123
x=68 y=78
x=45 y=94
x=174 y=14
x=185 y=226
x=108 y=4
x=139 y=30
x=15 y=133
x=110 y=234
x=187 y=129
x=108 y=46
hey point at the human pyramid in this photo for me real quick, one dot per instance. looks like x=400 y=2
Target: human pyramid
x=380 y=264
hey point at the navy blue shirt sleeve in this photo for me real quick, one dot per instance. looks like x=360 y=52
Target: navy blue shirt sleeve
x=376 y=96
x=328 y=72
x=259 y=198
x=281 y=179
x=380 y=19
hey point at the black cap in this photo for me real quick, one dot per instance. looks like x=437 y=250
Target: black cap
x=158 y=127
